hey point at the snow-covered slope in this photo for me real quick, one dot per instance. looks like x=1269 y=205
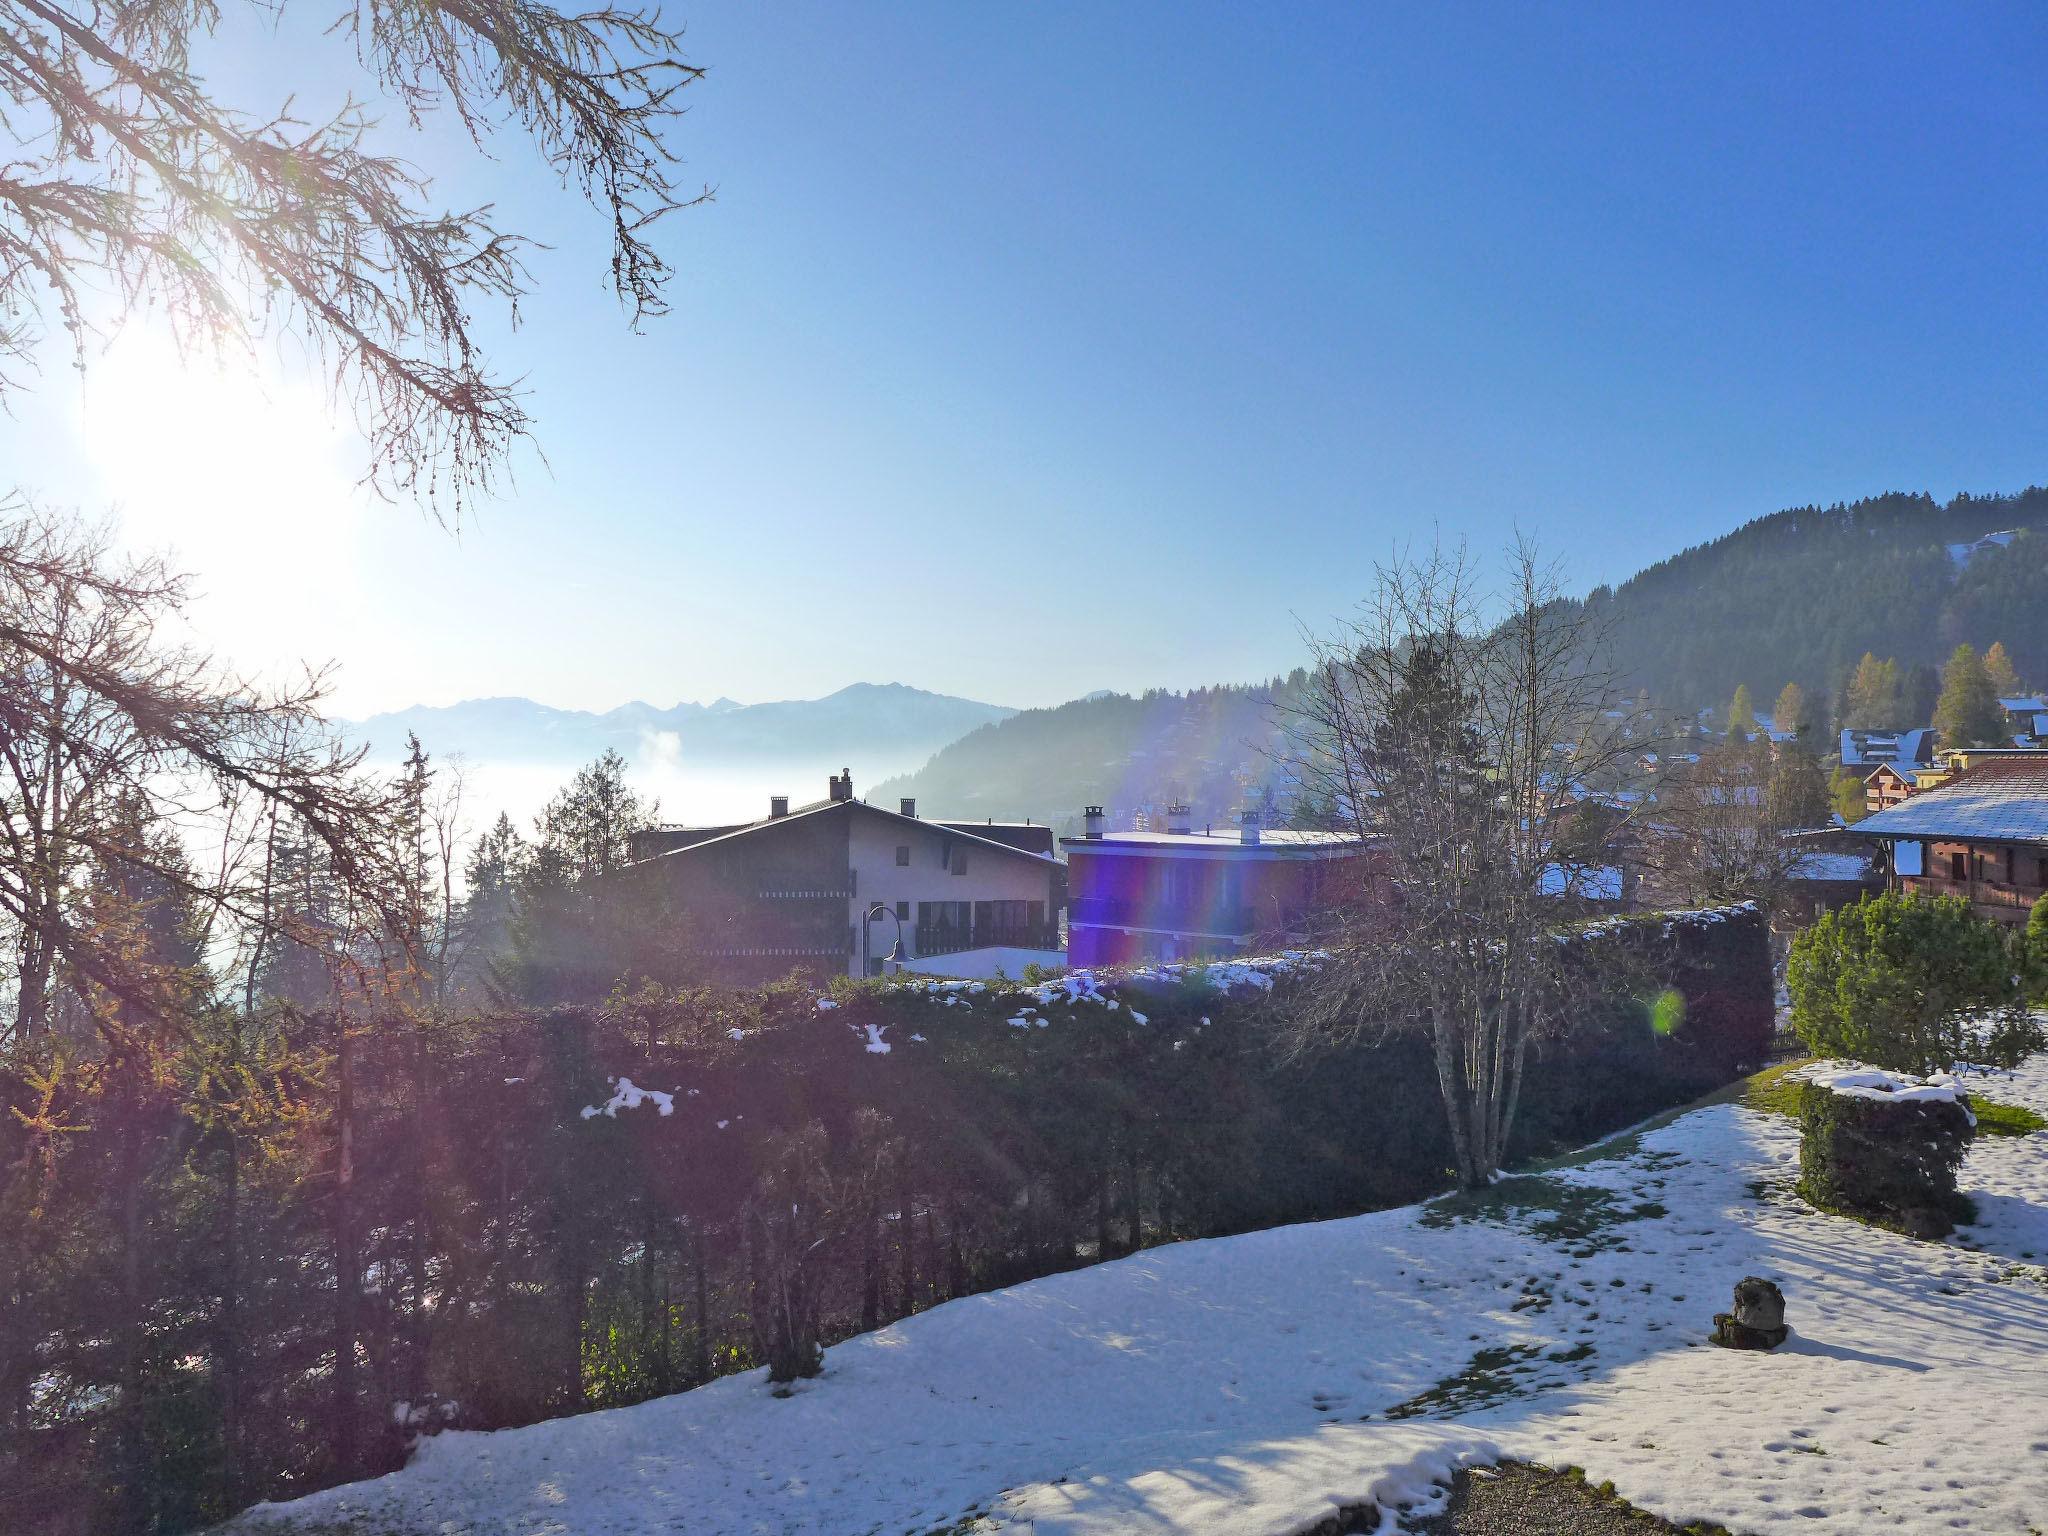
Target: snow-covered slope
x=1253 y=1384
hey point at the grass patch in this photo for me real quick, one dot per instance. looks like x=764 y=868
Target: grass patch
x=1775 y=1091
x=1548 y=1209
x=1996 y=1119
x=1493 y=1376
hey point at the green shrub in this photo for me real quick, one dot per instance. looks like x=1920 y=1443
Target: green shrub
x=1898 y=981
x=1892 y=1161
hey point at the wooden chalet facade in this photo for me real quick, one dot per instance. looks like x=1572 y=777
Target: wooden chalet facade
x=1982 y=835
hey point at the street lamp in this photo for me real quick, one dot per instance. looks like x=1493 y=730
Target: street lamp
x=896 y=955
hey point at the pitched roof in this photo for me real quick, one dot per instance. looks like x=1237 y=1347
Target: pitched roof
x=1999 y=800
x=822 y=807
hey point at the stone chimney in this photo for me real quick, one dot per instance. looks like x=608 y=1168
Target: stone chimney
x=840 y=785
x=778 y=807
x=1248 y=827
x=907 y=806
x=1180 y=820
x=1091 y=823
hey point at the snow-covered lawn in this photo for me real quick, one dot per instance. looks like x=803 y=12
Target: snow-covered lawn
x=1254 y=1384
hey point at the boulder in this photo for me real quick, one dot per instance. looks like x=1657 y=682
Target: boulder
x=1758 y=1321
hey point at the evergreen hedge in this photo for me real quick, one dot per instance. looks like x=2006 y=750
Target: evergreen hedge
x=583 y=1207
x=1891 y=1161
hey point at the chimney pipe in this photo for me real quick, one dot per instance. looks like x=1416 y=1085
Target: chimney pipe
x=778 y=807
x=840 y=785
x=1091 y=823
x=1248 y=827
x=908 y=806
x=1179 y=819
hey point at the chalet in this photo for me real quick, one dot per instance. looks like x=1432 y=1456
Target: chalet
x=1834 y=869
x=2026 y=719
x=1889 y=783
x=843 y=887
x=1182 y=894
x=1982 y=835
x=1864 y=750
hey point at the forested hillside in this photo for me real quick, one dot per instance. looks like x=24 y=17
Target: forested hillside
x=1212 y=747
x=1800 y=595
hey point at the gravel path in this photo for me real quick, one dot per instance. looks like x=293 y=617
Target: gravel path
x=1516 y=1499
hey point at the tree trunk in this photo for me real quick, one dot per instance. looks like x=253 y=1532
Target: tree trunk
x=870 y=1269
x=348 y=1277
x=1102 y=1240
x=231 y=1325
x=1134 y=1200
x=135 y=1479
x=906 y=1237
x=702 y=1361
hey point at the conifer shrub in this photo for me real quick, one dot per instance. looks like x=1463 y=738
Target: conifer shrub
x=1885 y=1159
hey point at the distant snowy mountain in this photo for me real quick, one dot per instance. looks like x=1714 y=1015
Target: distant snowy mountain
x=863 y=722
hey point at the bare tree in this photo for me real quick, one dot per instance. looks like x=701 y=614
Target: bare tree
x=99 y=716
x=1715 y=833
x=1461 y=738
x=129 y=179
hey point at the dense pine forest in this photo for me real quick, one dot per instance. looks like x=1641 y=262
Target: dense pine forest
x=1801 y=595
x=1796 y=597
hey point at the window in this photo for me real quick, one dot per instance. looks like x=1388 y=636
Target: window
x=903 y=855
x=902 y=911
x=959 y=861
x=1958 y=869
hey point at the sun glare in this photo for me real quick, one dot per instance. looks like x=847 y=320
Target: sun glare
x=241 y=475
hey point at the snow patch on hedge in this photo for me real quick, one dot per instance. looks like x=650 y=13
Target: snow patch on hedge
x=629 y=1096
x=1889 y=1087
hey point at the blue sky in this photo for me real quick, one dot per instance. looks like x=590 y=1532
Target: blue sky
x=1031 y=350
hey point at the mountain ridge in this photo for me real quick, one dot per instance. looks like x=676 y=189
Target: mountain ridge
x=858 y=720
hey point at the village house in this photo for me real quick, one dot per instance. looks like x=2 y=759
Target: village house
x=1889 y=783
x=1982 y=835
x=843 y=887
x=1182 y=894
x=1864 y=750
x=2026 y=719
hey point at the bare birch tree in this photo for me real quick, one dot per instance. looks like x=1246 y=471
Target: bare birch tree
x=1460 y=737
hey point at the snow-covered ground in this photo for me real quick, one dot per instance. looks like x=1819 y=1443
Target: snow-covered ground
x=1254 y=1384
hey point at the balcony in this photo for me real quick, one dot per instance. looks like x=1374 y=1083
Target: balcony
x=2002 y=899
x=953 y=939
x=1118 y=912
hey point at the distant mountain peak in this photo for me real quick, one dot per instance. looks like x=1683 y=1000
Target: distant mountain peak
x=886 y=723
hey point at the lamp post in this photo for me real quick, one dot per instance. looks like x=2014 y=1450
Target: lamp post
x=867 y=964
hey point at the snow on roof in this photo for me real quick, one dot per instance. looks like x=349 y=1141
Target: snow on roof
x=2001 y=800
x=1831 y=866
x=1282 y=841
x=1868 y=748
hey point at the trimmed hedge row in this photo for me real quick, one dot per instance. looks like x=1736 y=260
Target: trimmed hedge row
x=548 y=1212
